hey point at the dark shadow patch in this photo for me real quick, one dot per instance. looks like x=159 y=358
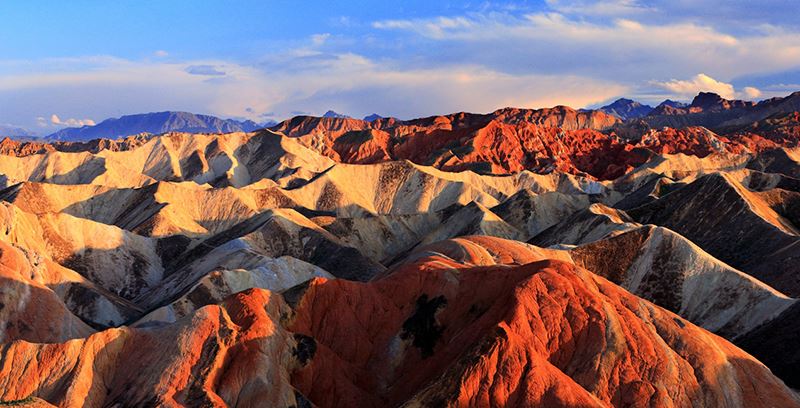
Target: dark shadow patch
x=422 y=326
x=293 y=295
x=476 y=311
x=774 y=343
x=305 y=349
x=611 y=258
x=170 y=248
x=301 y=400
x=196 y=394
x=201 y=296
x=354 y=137
x=309 y=213
x=89 y=265
x=662 y=286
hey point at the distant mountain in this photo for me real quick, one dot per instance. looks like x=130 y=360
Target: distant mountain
x=373 y=117
x=155 y=123
x=332 y=114
x=711 y=102
x=337 y=256
x=15 y=132
x=718 y=114
x=703 y=102
x=669 y=107
x=673 y=104
x=627 y=109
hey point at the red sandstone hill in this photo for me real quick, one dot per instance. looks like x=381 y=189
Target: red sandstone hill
x=540 y=334
x=338 y=262
x=509 y=140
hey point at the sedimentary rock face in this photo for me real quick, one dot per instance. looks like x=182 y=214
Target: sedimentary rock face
x=546 y=257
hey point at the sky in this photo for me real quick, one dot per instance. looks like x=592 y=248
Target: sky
x=79 y=62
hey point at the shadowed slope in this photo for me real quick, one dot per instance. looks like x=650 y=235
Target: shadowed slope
x=426 y=335
x=480 y=336
x=733 y=224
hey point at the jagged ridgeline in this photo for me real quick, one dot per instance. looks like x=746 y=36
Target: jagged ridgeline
x=625 y=256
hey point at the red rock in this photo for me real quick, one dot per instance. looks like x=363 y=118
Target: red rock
x=541 y=334
x=9 y=147
x=228 y=355
x=510 y=140
x=431 y=333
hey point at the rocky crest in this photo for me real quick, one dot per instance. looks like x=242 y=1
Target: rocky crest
x=548 y=257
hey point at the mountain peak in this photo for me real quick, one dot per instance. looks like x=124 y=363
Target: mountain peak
x=673 y=104
x=669 y=107
x=625 y=101
x=334 y=114
x=625 y=109
x=707 y=99
x=372 y=117
x=710 y=101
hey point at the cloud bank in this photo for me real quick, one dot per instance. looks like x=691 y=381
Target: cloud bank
x=56 y=121
x=574 y=52
x=310 y=83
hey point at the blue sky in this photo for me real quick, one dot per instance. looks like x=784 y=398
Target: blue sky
x=72 y=63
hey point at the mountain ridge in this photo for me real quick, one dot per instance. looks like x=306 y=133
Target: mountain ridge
x=626 y=109
x=153 y=123
x=15 y=132
x=396 y=262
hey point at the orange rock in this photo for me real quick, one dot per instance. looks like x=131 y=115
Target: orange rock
x=9 y=147
x=229 y=355
x=29 y=310
x=542 y=334
x=509 y=140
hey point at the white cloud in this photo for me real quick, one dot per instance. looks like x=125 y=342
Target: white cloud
x=686 y=89
x=305 y=81
x=56 y=121
x=439 y=27
x=750 y=92
x=580 y=53
x=632 y=47
x=699 y=83
x=360 y=89
x=601 y=7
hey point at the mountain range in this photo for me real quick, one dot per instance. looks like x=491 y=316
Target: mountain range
x=15 y=132
x=626 y=110
x=154 y=123
x=523 y=257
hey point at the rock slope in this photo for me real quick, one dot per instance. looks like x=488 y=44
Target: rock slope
x=550 y=257
x=416 y=337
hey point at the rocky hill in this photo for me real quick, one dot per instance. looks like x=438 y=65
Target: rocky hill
x=549 y=257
